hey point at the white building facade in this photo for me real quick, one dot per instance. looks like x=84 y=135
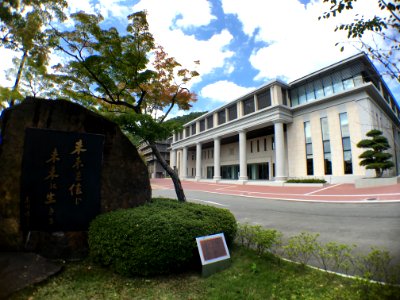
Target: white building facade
x=306 y=129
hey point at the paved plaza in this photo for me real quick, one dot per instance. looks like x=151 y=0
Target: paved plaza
x=338 y=193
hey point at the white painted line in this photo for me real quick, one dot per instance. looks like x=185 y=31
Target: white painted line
x=224 y=188
x=330 y=195
x=328 y=187
x=361 y=201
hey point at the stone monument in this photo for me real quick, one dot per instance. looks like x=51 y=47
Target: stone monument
x=60 y=166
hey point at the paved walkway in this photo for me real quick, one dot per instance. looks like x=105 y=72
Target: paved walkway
x=346 y=193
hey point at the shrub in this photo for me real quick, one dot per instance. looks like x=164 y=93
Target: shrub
x=255 y=236
x=266 y=239
x=306 y=180
x=335 y=257
x=377 y=265
x=246 y=234
x=301 y=247
x=156 y=238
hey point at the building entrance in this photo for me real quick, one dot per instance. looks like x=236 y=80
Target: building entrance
x=258 y=171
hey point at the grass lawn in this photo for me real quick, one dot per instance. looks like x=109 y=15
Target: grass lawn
x=249 y=277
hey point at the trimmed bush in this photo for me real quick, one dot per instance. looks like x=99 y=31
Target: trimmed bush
x=306 y=180
x=156 y=238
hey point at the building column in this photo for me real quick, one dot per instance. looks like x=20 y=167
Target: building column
x=217 y=158
x=184 y=162
x=242 y=156
x=198 y=161
x=172 y=162
x=280 y=152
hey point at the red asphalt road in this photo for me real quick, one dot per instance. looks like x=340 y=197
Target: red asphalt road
x=329 y=193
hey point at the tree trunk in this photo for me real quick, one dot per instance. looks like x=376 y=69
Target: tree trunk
x=17 y=80
x=174 y=176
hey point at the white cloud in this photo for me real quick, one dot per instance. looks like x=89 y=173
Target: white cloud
x=107 y=8
x=224 y=91
x=176 y=113
x=298 y=43
x=112 y=8
x=168 y=18
x=80 y=5
x=194 y=13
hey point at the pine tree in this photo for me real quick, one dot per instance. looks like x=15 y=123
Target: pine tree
x=375 y=158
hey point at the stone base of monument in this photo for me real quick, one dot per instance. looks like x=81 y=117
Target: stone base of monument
x=218 y=266
x=58 y=245
x=19 y=270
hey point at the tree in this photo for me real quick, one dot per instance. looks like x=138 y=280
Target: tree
x=181 y=120
x=110 y=72
x=24 y=29
x=34 y=80
x=385 y=29
x=375 y=158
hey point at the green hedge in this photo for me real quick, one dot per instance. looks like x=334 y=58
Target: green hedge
x=156 y=238
x=306 y=180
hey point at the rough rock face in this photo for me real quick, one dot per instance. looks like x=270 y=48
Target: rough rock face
x=124 y=177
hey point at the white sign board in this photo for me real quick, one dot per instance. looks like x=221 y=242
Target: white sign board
x=212 y=248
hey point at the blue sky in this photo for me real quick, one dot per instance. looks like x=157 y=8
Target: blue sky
x=240 y=44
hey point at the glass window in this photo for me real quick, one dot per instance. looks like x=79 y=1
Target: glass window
x=232 y=112
x=294 y=98
x=358 y=80
x=221 y=117
x=302 y=95
x=187 y=131
x=258 y=145
x=319 y=89
x=284 y=97
x=348 y=165
x=348 y=83
x=327 y=146
x=337 y=83
x=194 y=128
x=181 y=134
x=248 y=105
x=307 y=131
x=202 y=125
x=264 y=99
x=310 y=92
x=328 y=164
x=346 y=144
x=347 y=155
x=324 y=129
x=344 y=127
x=265 y=144
x=327 y=83
x=344 y=124
x=310 y=166
x=309 y=149
x=210 y=122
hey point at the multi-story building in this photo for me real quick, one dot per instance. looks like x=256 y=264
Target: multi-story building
x=155 y=168
x=307 y=128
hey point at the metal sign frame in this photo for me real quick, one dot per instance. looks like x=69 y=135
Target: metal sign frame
x=203 y=245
